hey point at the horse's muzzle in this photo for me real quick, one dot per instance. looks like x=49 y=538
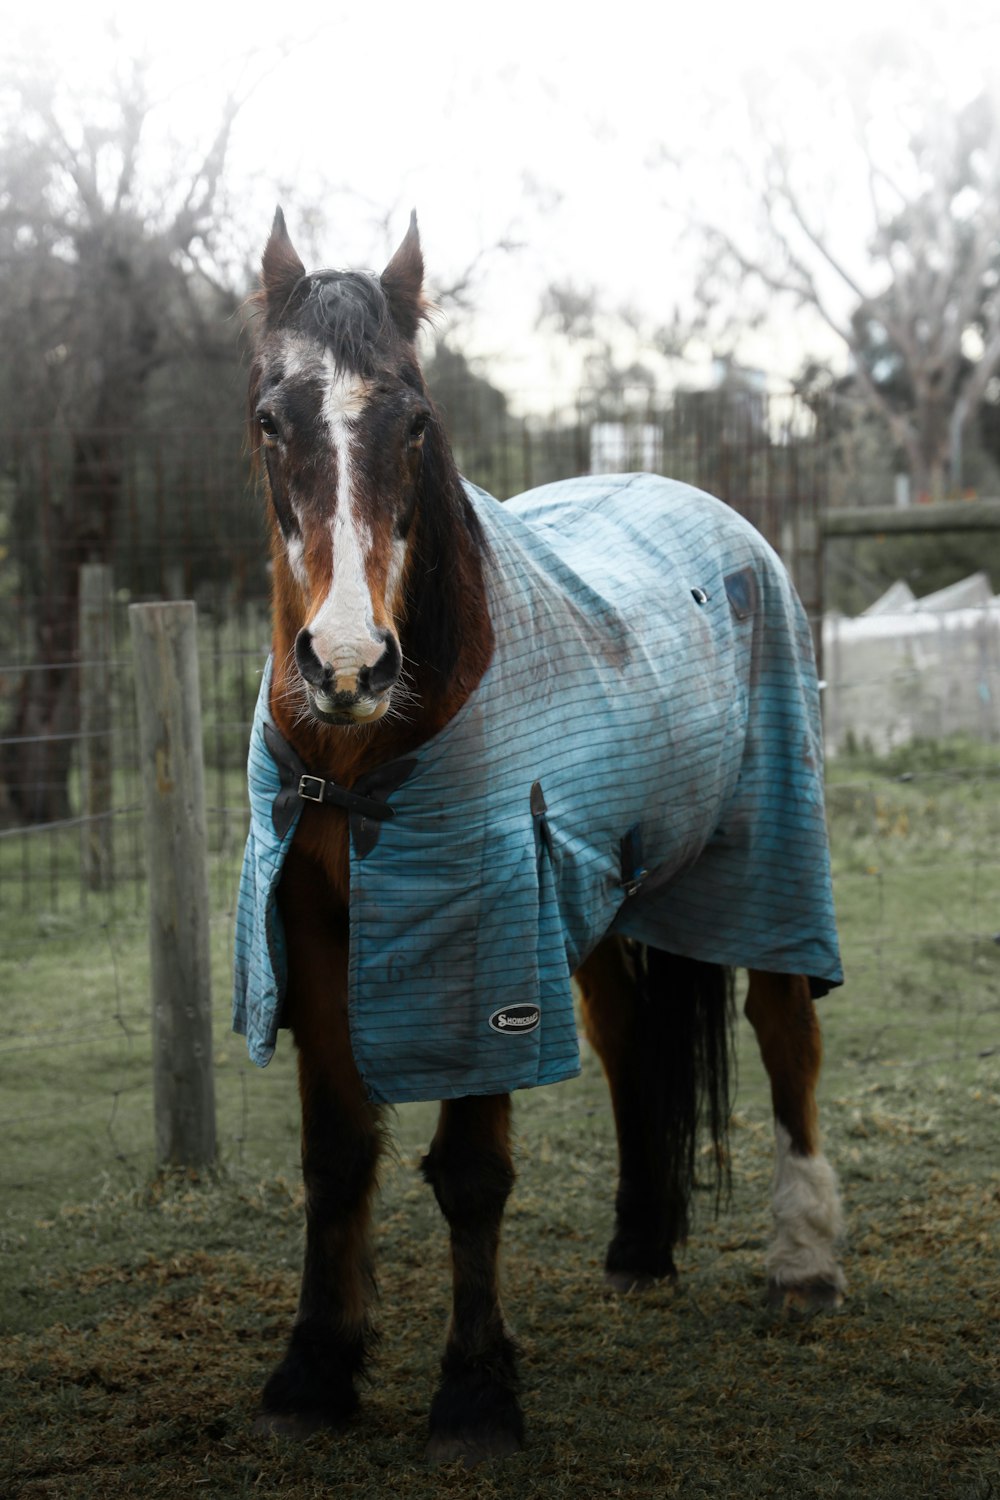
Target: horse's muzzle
x=360 y=697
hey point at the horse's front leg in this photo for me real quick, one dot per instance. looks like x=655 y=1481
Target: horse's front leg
x=315 y=1385
x=475 y=1413
x=804 y=1272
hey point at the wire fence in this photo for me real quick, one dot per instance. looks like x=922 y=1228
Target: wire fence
x=917 y=886
x=42 y=865
x=916 y=840
x=74 y=936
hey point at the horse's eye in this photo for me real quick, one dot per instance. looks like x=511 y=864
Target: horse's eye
x=268 y=428
x=418 y=426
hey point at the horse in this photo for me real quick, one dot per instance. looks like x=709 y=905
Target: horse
x=401 y=597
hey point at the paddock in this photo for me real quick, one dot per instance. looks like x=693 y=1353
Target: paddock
x=142 y=1313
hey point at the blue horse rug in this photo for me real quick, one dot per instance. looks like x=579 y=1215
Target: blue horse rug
x=642 y=756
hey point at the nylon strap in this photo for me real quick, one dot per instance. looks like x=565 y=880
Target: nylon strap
x=366 y=799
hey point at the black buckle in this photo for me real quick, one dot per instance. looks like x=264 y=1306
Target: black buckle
x=317 y=782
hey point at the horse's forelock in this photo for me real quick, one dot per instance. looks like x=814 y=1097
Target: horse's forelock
x=348 y=312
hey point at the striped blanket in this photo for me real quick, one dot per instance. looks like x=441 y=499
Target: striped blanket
x=643 y=756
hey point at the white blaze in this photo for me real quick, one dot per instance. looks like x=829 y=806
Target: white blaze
x=343 y=628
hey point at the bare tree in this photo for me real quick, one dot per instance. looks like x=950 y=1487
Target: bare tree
x=919 y=307
x=618 y=348
x=105 y=277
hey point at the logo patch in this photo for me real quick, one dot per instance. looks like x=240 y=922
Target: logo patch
x=515 y=1018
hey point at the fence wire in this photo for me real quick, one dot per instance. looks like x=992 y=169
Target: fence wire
x=916 y=834
x=917 y=881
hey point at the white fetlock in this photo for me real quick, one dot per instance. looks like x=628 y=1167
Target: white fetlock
x=808 y=1220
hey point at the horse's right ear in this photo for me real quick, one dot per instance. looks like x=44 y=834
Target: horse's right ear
x=281 y=270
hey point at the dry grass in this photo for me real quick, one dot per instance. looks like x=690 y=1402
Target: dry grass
x=140 y=1322
x=150 y=1384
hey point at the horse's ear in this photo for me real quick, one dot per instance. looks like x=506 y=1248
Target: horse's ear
x=403 y=283
x=281 y=270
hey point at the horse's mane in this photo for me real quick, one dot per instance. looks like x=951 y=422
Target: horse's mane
x=440 y=595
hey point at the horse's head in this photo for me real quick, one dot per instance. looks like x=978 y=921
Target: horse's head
x=338 y=413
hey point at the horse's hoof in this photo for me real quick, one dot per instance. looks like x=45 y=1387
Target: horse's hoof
x=634 y=1263
x=630 y=1281
x=805 y=1298
x=295 y=1425
x=473 y=1448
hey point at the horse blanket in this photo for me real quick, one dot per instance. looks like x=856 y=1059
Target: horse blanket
x=642 y=756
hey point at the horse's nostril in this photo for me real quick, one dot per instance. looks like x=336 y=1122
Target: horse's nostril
x=388 y=667
x=315 y=672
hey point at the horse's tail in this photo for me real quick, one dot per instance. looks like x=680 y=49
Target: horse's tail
x=684 y=1063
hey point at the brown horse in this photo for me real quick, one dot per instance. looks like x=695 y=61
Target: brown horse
x=382 y=633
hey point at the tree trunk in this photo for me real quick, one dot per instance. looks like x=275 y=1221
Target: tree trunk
x=934 y=442
x=39 y=753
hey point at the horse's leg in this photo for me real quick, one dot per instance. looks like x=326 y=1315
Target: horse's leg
x=646 y=1223
x=475 y=1413
x=802 y=1262
x=315 y=1383
x=660 y=1026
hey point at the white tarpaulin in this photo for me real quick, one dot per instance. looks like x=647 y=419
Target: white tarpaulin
x=914 y=668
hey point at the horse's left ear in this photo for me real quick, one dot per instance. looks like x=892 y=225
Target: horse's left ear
x=403 y=283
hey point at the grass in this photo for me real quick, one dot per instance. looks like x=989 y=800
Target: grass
x=916 y=860
x=142 y=1314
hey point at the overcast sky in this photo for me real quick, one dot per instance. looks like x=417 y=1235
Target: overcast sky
x=542 y=123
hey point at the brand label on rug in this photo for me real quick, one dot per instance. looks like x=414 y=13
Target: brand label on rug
x=515 y=1018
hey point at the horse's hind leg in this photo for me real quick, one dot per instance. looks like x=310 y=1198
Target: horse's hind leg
x=315 y=1383
x=660 y=1025
x=802 y=1261
x=475 y=1413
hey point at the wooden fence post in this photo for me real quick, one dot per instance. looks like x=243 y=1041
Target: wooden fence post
x=802 y=553
x=96 y=638
x=168 y=701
